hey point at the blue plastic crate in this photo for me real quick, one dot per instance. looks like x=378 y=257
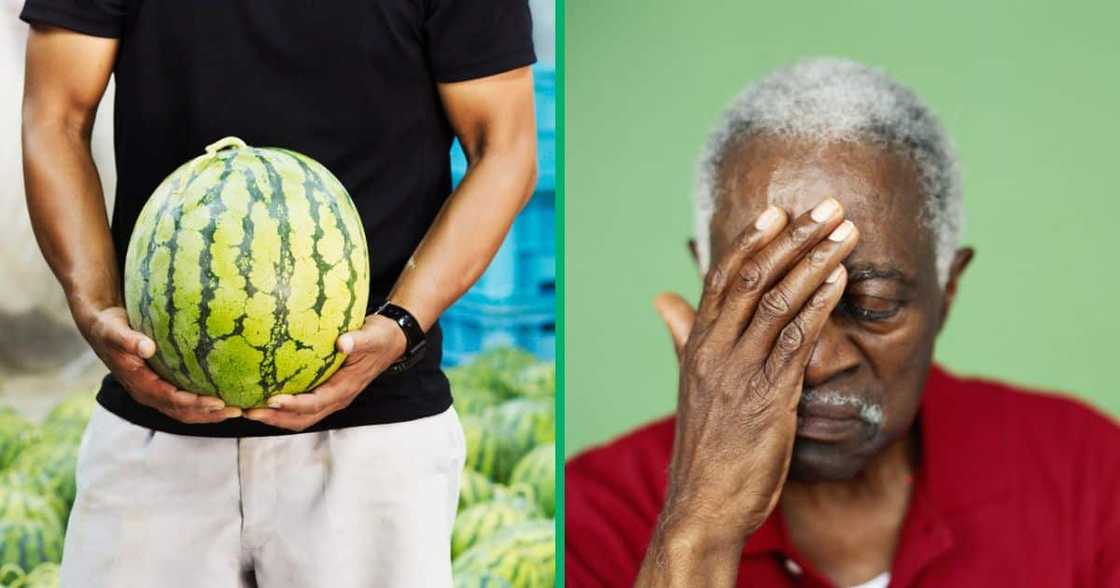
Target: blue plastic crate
x=469 y=329
x=523 y=271
x=513 y=303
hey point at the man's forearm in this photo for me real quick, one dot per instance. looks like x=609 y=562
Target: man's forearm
x=468 y=231
x=67 y=209
x=681 y=558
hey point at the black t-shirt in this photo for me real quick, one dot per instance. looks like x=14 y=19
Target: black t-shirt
x=350 y=83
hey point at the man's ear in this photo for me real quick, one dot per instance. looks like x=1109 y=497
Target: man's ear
x=960 y=262
x=695 y=254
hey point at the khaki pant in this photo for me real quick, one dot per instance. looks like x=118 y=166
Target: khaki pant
x=360 y=507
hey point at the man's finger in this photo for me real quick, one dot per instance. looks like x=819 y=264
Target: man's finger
x=759 y=274
x=308 y=404
x=717 y=283
x=678 y=316
x=118 y=334
x=770 y=324
x=203 y=416
x=280 y=418
x=798 y=338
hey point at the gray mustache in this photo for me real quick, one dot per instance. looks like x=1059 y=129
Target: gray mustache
x=870 y=412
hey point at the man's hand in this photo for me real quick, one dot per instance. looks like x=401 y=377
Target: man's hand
x=369 y=351
x=124 y=350
x=742 y=358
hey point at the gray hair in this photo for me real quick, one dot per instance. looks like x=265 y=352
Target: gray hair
x=828 y=100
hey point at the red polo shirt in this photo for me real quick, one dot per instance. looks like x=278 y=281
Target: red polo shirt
x=1015 y=488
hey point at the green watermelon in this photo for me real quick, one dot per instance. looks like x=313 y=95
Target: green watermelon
x=474 y=390
x=474 y=488
x=506 y=360
x=529 y=419
x=480 y=580
x=502 y=434
x=538 y=470
x=482 y=520
x=244 y=267
x=48 y=466
x=31 y=531
x=537 y=380
x=45 y=575
x=72 y=413
x=524 y=554
x=16 y=433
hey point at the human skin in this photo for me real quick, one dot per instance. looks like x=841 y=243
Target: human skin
x=66 y=76
x=841 y=476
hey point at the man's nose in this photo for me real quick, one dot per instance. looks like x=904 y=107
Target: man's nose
x=834 y=355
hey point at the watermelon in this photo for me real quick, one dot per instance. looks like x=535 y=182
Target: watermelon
x=505 y=360
x=482 y=520
x=72 y=413
x=45 y=575
x=30 y=529
x=480 y=580
x=523 y=554
x=474 y=390
x=529 y=421
x=538 y=470
x=499 y=436
x=244 y=267
x=16 y=433
x=48 y=466
x=474 y=488
x=536 y=381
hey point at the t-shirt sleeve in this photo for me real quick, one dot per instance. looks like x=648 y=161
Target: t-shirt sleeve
x=100 y=18
x=468 y=39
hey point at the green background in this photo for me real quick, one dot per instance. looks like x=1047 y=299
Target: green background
x=1029 y=92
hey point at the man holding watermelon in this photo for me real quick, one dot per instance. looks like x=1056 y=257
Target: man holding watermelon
x=355 y=482
x=814 y=442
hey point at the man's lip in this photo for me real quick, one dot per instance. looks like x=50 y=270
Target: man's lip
x=828 y=410
x=828 y=421
x=828 y=430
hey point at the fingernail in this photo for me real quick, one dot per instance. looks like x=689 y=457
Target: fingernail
x=768 y=218
x=146 y=348
x=345 y=344
x=835 y=275
x=214 y=406
x=232 y=412
x=252 y=415
x=841 y=232
x=824 y=210
x=274 y=403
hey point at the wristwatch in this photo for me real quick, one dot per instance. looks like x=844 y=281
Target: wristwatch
x=415 y=340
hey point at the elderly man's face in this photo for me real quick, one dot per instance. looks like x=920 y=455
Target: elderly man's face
x=873 y=354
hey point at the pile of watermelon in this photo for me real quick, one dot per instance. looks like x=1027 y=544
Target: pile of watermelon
x=503 y=535
x=504 y=532
x=37 y=490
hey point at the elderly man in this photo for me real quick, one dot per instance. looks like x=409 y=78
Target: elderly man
x=814 y=443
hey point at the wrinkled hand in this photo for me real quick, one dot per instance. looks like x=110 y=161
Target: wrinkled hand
x=369 y=351
x=742 y=358
x=124 y=352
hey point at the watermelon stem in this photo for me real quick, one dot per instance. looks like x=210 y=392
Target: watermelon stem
x=224 y=143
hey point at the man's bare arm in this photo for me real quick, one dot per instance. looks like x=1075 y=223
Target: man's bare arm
x=494 y=120
x=66 y=76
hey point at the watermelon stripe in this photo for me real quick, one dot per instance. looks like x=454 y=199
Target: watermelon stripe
x=213 y=202
x=313 y=185
x=279 y=208
x=169 y=297
x=171 y=357
x=146 y=324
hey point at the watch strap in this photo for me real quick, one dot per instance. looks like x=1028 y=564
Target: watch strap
x=415 y=339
